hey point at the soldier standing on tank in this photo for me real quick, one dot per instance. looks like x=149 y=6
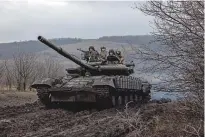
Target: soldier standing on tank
x=103 y=54
x=86 y=54
x=93 y=54
x=119 y=55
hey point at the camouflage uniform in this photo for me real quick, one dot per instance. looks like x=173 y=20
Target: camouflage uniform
x=112 y=53
x=119 y=55
x=93 y=54
x=103 y=54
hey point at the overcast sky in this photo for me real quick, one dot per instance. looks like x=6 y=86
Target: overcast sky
x=24 y=20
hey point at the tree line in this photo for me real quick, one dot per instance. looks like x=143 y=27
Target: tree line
x=24 y=68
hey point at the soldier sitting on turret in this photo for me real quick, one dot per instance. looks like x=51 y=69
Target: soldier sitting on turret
x=93 y=54
x=112 y=60
x=103 y=54
x=119 y=55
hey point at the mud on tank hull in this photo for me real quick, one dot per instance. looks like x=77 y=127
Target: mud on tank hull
x=105 y=92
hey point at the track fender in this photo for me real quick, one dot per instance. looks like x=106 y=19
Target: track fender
x=46 y=82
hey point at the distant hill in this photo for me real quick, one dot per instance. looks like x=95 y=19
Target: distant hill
x=139 y=40
x=8 y=49
x=133 y=40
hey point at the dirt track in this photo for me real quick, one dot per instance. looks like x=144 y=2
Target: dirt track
x=32 y=119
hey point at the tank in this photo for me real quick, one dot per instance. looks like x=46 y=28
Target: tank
x=96 y=84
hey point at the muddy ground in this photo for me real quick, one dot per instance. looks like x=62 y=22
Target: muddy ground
x=13 y=98
x=21 y=115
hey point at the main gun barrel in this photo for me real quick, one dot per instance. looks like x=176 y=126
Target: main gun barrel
x=66 y=54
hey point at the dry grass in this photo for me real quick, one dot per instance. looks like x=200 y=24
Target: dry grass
x=164 y=120
x=149 y=120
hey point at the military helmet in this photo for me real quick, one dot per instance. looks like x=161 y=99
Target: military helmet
x=91 y=47
x=103 y=47
x=118 y=52
x=111 y=51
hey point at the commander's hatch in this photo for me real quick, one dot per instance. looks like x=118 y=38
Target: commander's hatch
x=113 y=58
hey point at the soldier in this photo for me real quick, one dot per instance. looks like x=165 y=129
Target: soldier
x=103 y=54
x=119 y=55
x=85 y=54
x=111 y=52
x=93 y=54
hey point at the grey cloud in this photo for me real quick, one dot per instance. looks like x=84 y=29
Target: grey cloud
x=25 y=20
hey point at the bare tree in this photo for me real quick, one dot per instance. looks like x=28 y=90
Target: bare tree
x=2 y=68
x=24 y=66
x=179 y=58
x=52 y=68
x=47 y=68
x=38 y=72
x=8 y=75
x=179 y=28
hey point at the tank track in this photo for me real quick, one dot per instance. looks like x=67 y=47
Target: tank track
x=103 y=98
x=120 y=100
x=107 y=98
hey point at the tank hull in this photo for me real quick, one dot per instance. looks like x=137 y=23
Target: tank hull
x=100 y=92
